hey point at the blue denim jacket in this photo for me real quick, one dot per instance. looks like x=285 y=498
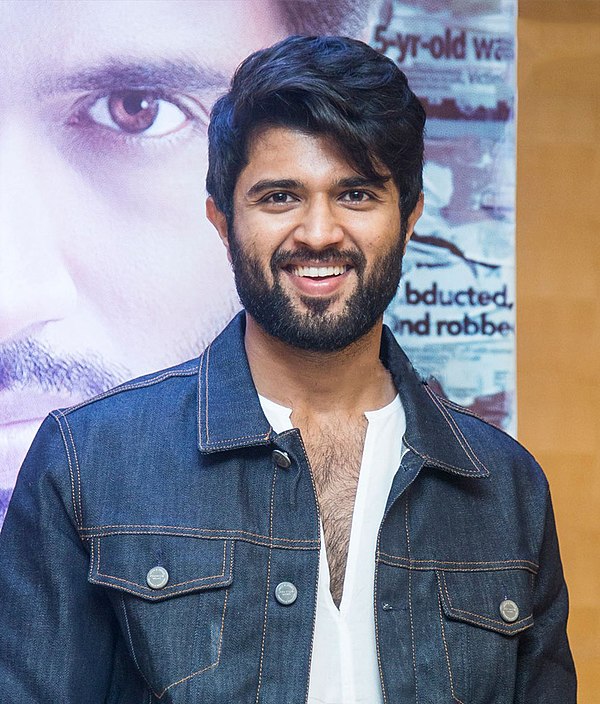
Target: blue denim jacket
x=176 y=470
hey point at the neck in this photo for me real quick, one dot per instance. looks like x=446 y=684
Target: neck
x=349 y=381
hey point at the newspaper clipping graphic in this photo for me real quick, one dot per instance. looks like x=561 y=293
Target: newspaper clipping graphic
x=455 y=310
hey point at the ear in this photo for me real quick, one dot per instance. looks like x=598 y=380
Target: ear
x=218 y=219
x=413 y=217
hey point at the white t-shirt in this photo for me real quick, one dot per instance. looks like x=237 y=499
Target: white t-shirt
x=344 y=666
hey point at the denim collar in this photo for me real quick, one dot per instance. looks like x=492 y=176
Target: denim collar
x=230 y=415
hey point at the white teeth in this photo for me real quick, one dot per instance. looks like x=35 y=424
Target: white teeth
x=316 y=272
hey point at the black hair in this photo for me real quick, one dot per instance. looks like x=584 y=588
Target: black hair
x=335 y=86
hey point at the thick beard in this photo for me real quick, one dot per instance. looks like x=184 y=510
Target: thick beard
x=316 y=329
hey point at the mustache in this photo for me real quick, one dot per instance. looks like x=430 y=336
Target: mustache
x=29 y=362
x=330 y=256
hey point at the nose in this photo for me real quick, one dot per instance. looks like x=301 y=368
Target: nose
x=35 y=284
x=320 y=227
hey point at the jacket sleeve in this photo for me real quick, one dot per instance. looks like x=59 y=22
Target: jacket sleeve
x=546 y=672
x=57 y=632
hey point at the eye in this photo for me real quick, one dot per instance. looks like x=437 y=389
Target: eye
x=137 y=112
x=279 y=198
x=356 y=196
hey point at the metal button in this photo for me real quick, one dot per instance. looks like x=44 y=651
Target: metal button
x=509 y=611
x=157 y=578
x=281 y=459
x=286 y=593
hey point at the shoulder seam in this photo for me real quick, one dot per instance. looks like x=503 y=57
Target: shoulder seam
x=131 y=386
x=461 y=409
x=75 y=485
x=467 y=412
x=458 y=434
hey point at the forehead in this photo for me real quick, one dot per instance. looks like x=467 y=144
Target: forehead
x=282 y=152
x=41 y=37
x=278 y=149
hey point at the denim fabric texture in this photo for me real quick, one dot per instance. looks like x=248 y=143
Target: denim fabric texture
x=175 y=470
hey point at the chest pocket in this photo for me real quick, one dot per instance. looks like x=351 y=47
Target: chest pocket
x=169 y=594
x=482 y=614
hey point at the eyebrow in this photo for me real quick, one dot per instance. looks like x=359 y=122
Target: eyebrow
x=116 y=74
x=363 y=182
x=266 y=184
x=290 y=184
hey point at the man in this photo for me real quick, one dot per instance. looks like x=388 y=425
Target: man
x=108 y=268
x=295 y=516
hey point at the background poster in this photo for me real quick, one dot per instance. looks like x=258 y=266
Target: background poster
x=454 y=314
x=108 y=267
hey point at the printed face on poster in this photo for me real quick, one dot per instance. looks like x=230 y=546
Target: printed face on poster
x=108 y=266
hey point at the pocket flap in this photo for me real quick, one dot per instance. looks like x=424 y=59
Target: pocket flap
x=499 y=601
x=129 y=562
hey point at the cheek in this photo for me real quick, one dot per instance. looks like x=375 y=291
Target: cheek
x=145 y=184
x=259 y=236
x=151 y=278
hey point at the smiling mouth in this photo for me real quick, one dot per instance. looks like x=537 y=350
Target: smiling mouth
x=326 y=280
x=318 y=272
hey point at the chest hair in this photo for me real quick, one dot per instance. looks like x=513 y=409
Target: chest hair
x=335 y=451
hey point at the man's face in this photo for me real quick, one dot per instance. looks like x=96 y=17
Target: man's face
x=316 y=247
x=108 y=268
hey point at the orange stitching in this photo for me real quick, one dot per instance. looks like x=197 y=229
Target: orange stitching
x=228 y=442
x=456 y=699
x=150 y=597
x=464 y=443
x=321 y=547
x=458 y=433
x=91 y=569
x=503 y=624
x=468 y=412
x=461 y=409
x=131 y=645
x=185 y=528
x=264 y=543
x=454 y=426
x=199 y=408
x=130 y=387
x=435 y=568
x=218 y=443
x=165 y=591
x=441 y=463
x=208 y=667
x=206 y=390
x=375 y=610
x=314 y=488
x=264 y=629
x=511 y=564
x=474 y=562
x=123 y=530
x=77 y=468
x=198 y=672
x=68 y=454
x=410 y=610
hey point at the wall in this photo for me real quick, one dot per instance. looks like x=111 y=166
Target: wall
x=558 y=284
